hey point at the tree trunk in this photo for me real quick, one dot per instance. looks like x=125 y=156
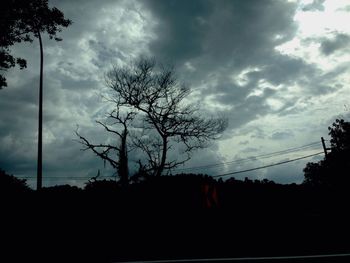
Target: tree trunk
x=163 y=159
x=123 y=170
x=40 y=125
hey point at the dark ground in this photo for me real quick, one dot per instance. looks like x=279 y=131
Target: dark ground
x=167 y=220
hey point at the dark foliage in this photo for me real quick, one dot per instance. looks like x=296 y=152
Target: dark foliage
x=11 y=184
x=23 y=20
x=61 y=189
x=179 y=216
x=102 y=186
x=340 y=133
x=334 y=170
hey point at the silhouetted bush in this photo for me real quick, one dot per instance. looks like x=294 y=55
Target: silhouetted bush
x=62 y=189
x=334 y=170
x=11 y=184
x=102 y=186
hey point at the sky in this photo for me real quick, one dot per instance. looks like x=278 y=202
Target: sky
x=278 y=70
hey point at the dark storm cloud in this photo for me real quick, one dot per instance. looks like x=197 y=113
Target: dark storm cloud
x=287 y=70
x=220 y=39
x=286 y=173
x=223 y=29
x=325 y=83
x=104 y=30
x=84 y=14
x=18 y=122
x=22 y=106
x=316 y=5
x=182 y=28
x=339 y=42
x=17 y=127
x=250 y=108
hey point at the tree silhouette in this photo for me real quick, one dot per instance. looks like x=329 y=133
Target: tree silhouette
x=156 y=94
x=340 y=133
x=23 y=20
x=11 y=184
x=107 y=151
x=315 y=174
x=333 y=170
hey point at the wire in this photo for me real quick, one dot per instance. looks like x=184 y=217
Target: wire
x=262 y=156
x=208 y=166
x=65 y=177
x=242 y=259
x=265 y=166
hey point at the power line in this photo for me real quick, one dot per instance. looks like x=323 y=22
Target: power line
x=265 y=166
x=262 y=156
x=243 y=258
x=268 y=155
x=65 y=177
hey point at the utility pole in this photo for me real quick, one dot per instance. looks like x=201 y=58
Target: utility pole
x=40 y=122
x=324 y=147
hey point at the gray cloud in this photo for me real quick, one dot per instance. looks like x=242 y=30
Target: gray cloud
x=250 y=150
x=220 y=40
x=287 y=173
x=243 y=142
x=181 y=29
x=339 y=42
x=257 y=133
x=282 y=135
x=189 y=29
x=346 y=8
x=316 y=5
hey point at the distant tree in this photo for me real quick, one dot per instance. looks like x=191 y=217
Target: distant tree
x=266 y=181
x=156 y=94
x=11 y=184
x=340 y=133
x=115 y=154
x=335 y=168
x=21 y=21
x=63 y=190
x=315 y=174
x=102 y=186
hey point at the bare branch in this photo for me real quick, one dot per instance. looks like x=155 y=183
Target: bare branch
x=160 y=97
x=103 y=153
x=108 y=129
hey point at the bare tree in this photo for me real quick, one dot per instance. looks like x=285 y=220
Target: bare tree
x=116 y=155
x=160 y=99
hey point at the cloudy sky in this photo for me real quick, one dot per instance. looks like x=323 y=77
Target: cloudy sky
x=279 y=71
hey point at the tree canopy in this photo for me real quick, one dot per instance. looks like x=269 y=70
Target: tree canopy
x=12 y=184
x=334 y=170
x=21 y=21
